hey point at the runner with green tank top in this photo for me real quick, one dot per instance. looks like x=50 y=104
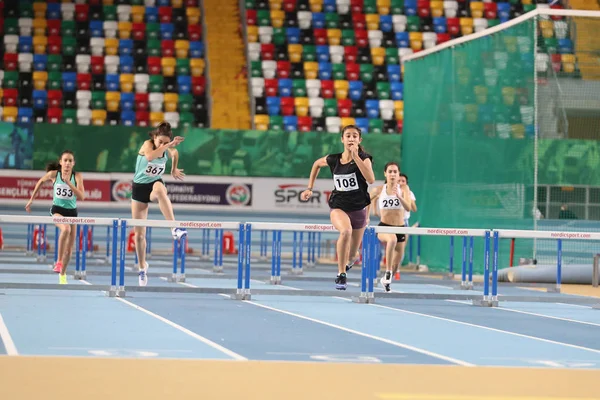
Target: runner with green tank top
x=148 y=186
x=67 y=189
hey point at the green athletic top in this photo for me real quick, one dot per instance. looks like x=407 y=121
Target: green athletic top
x=63 y=196
x=150 y=171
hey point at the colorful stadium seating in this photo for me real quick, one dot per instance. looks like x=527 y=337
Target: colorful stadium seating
x=320 y=64
x=129 y=62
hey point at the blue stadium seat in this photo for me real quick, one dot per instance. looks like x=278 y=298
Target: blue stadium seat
x=25 y=115
x=372 y=107
x=128 y=118
x=285 y=87
x=322 y=53
x=318 y=20
x=128 y=102
x=273 y=105
x=290 y=123
x=40 y=99
x=196 y=49
x=184 y=83
x=40 y=62
x=355 y=90
x=397 y=89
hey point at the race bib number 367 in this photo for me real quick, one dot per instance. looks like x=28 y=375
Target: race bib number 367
x=154 y=169
x=345 y=183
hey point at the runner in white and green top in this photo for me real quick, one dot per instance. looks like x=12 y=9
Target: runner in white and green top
x=148 y=186
x=67 y=189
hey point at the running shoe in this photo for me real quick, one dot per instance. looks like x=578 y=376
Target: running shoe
x=386 y=280
x=143 y=276
x=350 y=265
x=340 y=282
x=57 y=267
x=62 y=279
x=178 y=233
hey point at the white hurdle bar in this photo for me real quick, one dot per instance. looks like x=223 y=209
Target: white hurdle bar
x=559 y=236
x=243 y=285
x=78 y=221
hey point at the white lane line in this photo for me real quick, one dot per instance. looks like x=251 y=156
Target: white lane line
x=9 y=345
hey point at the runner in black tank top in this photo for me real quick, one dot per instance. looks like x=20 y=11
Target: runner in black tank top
x=352 y=172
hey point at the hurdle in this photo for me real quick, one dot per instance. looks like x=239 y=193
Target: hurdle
x=178 y=274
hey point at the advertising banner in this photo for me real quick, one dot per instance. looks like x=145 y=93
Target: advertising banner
x=284 y=194
x=198 y=193
x=20 y=188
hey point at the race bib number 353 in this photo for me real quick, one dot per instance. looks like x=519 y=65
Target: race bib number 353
x=154 y=169
x=345 y=183
x=63 y=192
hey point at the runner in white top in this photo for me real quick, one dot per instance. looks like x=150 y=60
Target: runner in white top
x=393 y=201
x=413 y=207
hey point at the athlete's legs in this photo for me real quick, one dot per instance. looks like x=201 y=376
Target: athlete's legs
x=68 y=249
x=159 y=193
x=140 y=211
x=63 y=238
x=389 y=239
x=341 y=222
x=398 y=255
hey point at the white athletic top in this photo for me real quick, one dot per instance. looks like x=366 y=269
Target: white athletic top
x=389 y=202
x=407 y=213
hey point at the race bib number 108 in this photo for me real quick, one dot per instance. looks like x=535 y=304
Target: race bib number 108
x=345 y=183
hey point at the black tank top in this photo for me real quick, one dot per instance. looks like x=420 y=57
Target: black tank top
x=351 y=190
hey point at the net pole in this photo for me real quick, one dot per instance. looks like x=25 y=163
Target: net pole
x=535 y=131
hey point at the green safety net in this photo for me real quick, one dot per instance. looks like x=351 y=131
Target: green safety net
x=469 y=138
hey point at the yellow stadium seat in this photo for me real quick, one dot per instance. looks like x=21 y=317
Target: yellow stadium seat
x=39 y=80
x=568 y=62
x=301 y=104
x=471 y=112
x=399 y=109
x=156 y=117
x=170 y=101
x=252 y=32
x=275 y=4
x=316 y=6
x=295 y=52
x=477 y=9
x=277 y=18
x=311 y=69
x=39 y=26
x=508 y=95
x=378 y=55
x=372 y=21
x=124 y=28
x=193 y=15
x=261 y=122
x=10 y=114
x=437 y=8
x=104 y=2
x=176 y=3
x=348 y=121
x=383 y=7
x=197 y=66
x=547 y=28
x=334 y=36
x=137 y=14
x=111 y=46
x=98 y=117
x=341 y=89
x=518 y=131
x=181 y=48
x=481 y=93
x=126 y=81
x=39 y=10
x=168 y=66
x=39 y=44
x=112 y=101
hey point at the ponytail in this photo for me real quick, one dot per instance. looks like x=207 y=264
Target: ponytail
x=55 y=165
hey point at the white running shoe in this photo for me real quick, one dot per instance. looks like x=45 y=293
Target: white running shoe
x=386 y=280
x=178 y=233
x=143 y=276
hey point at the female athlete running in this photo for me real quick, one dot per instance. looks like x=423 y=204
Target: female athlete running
x=148 y=187
x=352 y=172
x=67 y=189
x=393 y=201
